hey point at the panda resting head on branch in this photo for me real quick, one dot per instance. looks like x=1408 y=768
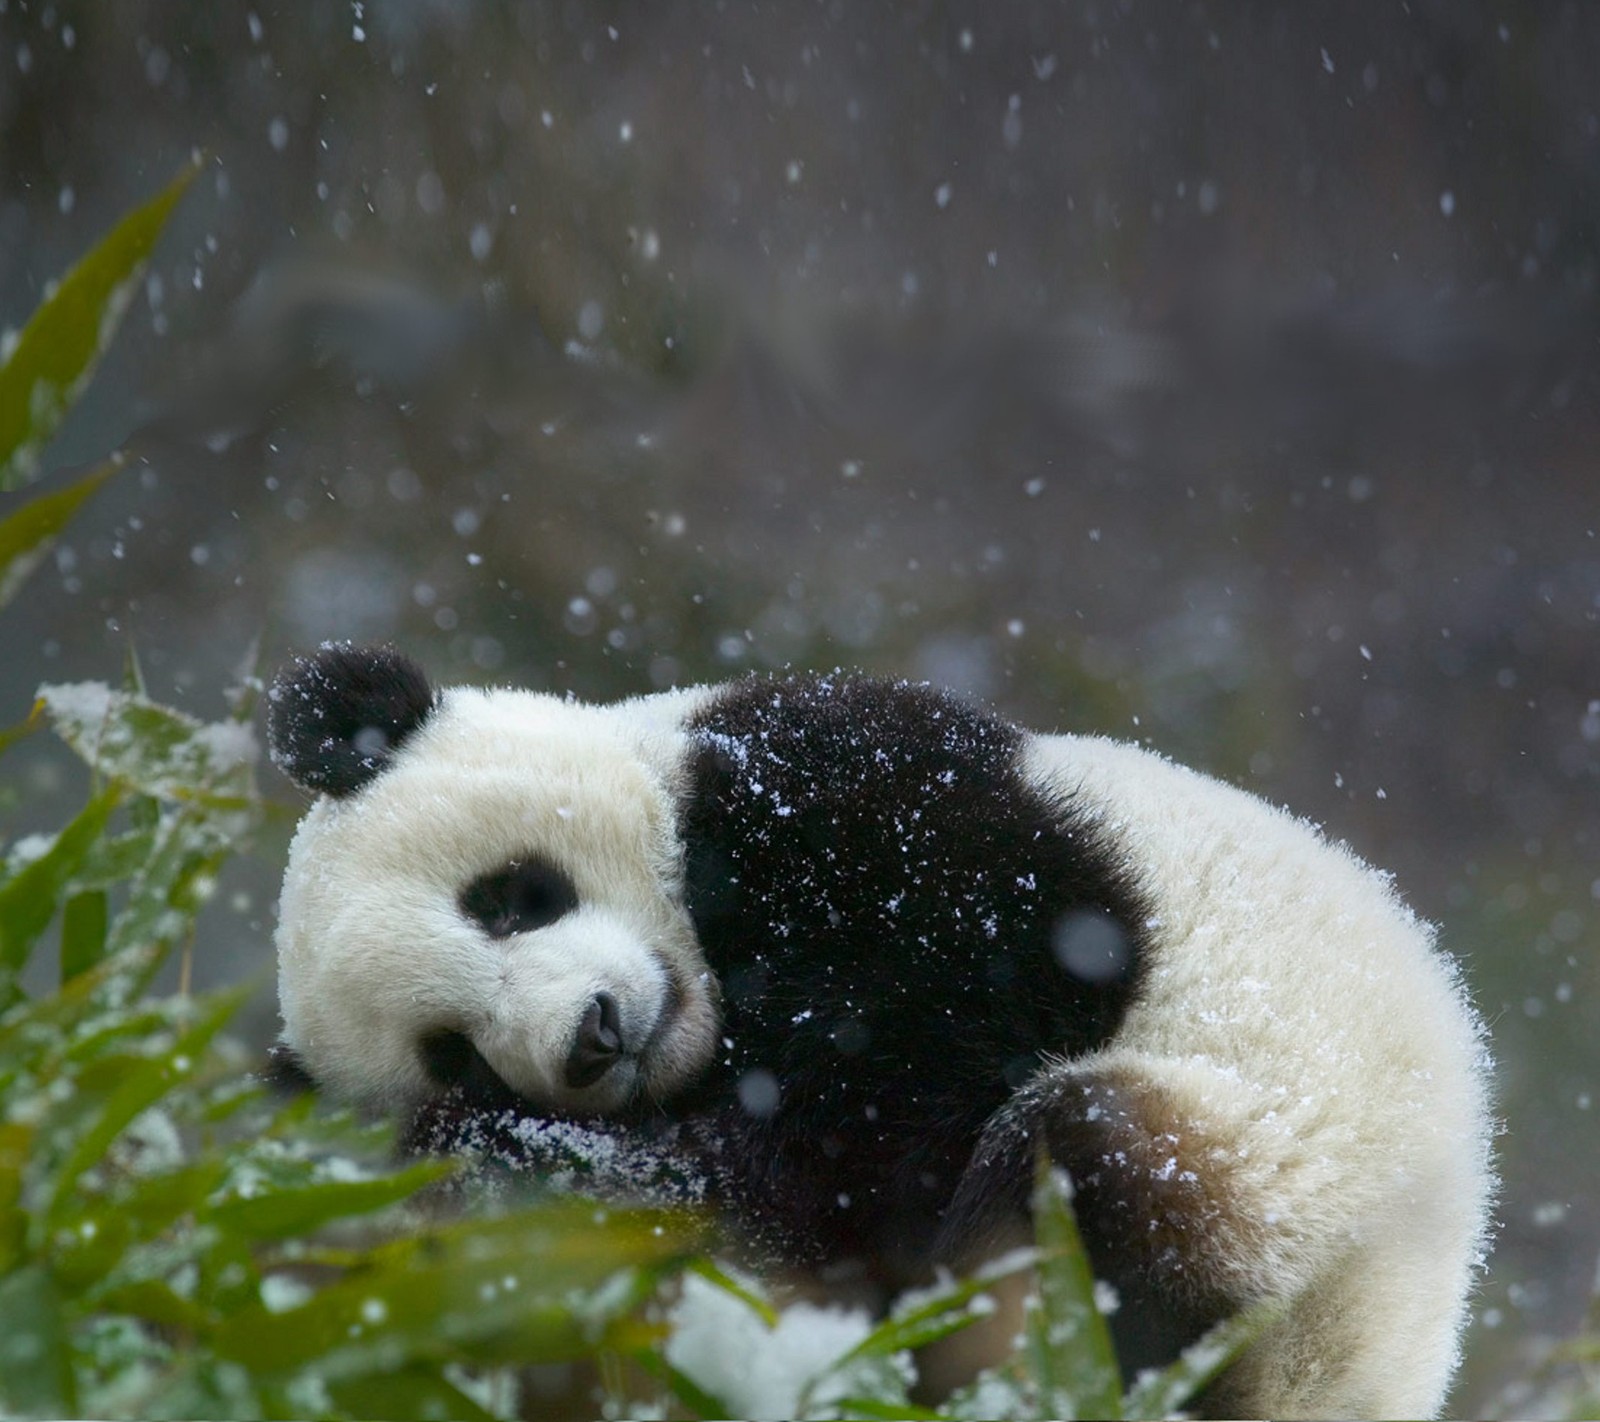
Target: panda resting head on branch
x=844 y=953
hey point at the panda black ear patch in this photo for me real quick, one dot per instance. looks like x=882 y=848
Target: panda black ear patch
x=335 y=719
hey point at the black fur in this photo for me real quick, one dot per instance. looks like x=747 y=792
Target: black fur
x=881 y=896
x=334 y=719
x=285 y=1073
x=1144 y=1202
x=520 y=896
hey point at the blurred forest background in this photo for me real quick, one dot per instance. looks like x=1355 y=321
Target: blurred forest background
x=1221 y=376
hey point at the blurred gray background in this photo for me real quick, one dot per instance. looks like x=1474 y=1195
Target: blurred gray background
x=1222 y=376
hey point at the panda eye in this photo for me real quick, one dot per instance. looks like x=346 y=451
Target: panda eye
x=519 y=897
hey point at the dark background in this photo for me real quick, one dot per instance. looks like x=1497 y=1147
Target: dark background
x=1223 y=376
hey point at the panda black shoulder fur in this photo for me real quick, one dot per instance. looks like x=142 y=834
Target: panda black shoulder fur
x=859 y=949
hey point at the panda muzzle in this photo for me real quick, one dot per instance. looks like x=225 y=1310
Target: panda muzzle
x=597 y=1045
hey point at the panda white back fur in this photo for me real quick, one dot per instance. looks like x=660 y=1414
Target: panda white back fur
x=860 y=949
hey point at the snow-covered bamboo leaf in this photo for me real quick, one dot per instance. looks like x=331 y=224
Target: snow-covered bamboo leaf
x=199 y=1385
x=158 y=751
x=43 y=369
x=188 y=848
x=997 y=1394
x=140 y=1082
x=34 y=1034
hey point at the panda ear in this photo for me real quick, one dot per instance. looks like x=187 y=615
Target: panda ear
x=334 y=720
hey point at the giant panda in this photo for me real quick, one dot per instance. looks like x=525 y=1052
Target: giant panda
x=857 y=950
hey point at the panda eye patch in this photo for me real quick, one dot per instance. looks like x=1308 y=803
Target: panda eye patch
x=519 y=897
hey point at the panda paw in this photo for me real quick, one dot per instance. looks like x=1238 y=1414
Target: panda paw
x=602 y=1159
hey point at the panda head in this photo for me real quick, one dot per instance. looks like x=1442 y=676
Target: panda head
x=487 y=892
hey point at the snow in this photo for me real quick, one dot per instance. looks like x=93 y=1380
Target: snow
x=723 y=1345
x=282 y=1292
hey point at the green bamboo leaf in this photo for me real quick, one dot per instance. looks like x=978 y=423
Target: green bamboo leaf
x=83 y=932
x=28 y=535
x=46 y=367
x=35 y=1365
x=116 y=858
x=93 y=1251
x=16 y=1148
x=700 y=1403
x=952 y=1308
x=144 y=1081
x=721 y=1279
x=155 y=1302
x=418 y=1394
x=33 y=1032
x=871 y=1410
x=1163 y=1393
x=542 y=1285
x=198 y=1385
x=12 y=734
x=29 y=897
x=281 y=1213
x=1067 y=1343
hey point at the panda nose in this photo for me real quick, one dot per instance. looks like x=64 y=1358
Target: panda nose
x=598 y=1043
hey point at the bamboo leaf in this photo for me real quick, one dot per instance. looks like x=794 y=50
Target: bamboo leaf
x=686 y=1390
x=35 y=1365
x=29 y=898
x=28 y=534
x=12 y=734
x=83 y=932
x=871 y=1410
x=53 y=357
x=159 y=751
x=1067 y=1343
x=1161 y=1394
x=725 y=1281
x=16 y=1145
x=285 y=1212
x=539 y=1286
x=146 y=1081
x=416 y=1394
x=936 y=1314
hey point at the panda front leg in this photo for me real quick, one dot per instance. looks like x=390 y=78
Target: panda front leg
x=505 y=1143
x=1153 y=1197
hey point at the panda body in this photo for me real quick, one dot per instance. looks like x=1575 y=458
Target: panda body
x=859 y=950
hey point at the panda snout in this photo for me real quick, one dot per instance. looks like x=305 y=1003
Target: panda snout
x=597 y=1045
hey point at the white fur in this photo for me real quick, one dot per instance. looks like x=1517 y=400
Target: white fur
x=1324 y=1054
x=1313 y=1049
